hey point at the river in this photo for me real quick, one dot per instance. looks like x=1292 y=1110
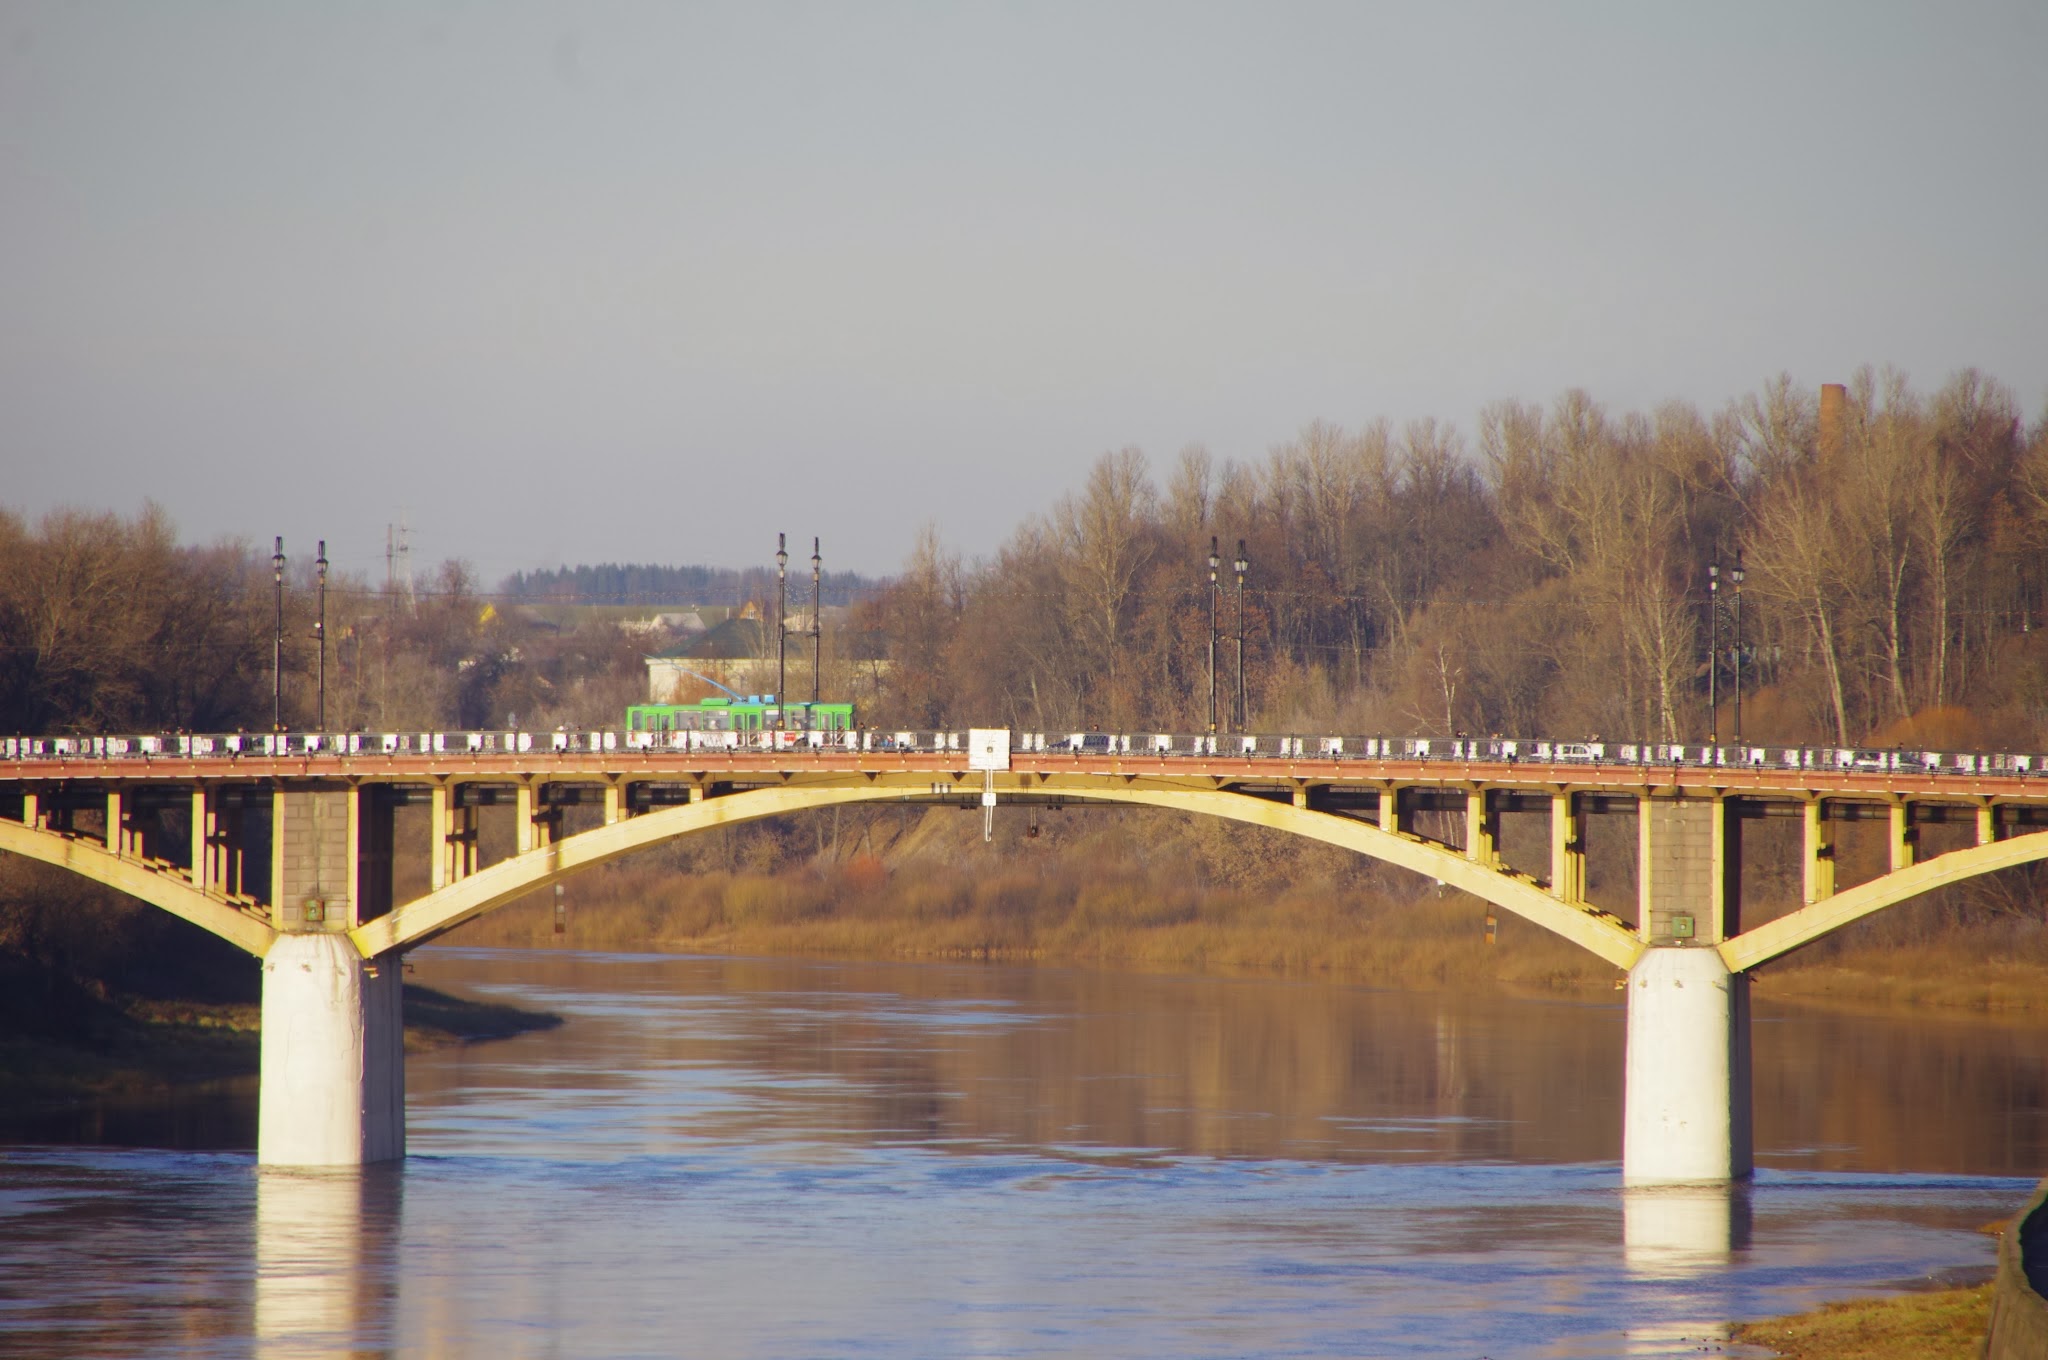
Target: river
x=789 y=1158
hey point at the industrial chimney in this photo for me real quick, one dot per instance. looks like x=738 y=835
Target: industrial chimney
x=1834 y=413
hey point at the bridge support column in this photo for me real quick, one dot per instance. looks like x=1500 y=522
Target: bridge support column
x=1482 y=829
x=1682 y=869
x=333 y=1063
x=1904 y=839
x=1819 y=851
x=1567 y=849
x=1687 y=1095
x=439 y=817
x=202 y=839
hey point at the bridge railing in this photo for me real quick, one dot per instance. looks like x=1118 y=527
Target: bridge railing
x=1233 y=746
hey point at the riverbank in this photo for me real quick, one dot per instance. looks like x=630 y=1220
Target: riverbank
x=1193 y=899
x=1149 y=889
x=1945 y=1324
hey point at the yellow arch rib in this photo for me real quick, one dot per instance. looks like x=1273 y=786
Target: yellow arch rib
x=422 y=919
x=1780 y=937
x=153 y=886
x=439 y=912
x=1583 y=926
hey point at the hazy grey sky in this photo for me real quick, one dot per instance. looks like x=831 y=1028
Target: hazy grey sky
x=653 y=281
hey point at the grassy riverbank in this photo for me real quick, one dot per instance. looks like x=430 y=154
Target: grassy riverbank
x=1945 y=1324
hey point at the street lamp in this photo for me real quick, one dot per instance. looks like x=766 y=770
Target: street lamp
x=1214 y=560
x=320 y=634
x=277 y=641
x=1735 y=575
x=817 y=634
x=1243 y=713
x=781 y=619
x=1714 y=653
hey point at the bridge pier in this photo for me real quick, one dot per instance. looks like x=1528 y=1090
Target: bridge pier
x=1687 y=1095
x=333 y=1062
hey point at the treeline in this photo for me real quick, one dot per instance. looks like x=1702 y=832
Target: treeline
x=1548 y=575
x=108 y=624
x=644 y=583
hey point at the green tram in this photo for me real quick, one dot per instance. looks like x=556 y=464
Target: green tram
x=755 y=713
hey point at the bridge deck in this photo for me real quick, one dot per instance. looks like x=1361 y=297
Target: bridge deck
x=1024 y=767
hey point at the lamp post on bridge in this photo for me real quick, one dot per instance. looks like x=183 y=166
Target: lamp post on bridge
x=1714 y=654
x=781 y=619
x=817 y=634
x=1243 y=565
x=1735 y=575
x=320 y=634
x=1214 y=560
x=277 y=641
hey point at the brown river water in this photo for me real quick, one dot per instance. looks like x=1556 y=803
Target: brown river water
x=749 y=1157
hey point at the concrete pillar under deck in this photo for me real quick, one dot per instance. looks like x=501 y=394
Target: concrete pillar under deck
x=1687 y=1095
x=333 y=1063
x=1683 y=869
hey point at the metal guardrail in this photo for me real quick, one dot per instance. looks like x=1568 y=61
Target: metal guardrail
x=1463 y=750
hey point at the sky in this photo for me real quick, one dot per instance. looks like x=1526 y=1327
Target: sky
x=652 y=282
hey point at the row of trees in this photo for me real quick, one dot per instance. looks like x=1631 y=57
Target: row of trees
x=108 y=624
x=646 y=583
x=1549 y=576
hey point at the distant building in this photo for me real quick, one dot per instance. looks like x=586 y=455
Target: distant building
x=738 y=654
x=683 y=622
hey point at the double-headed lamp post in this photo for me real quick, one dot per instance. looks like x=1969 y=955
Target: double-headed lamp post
x=1243 y=565
x=1214 y=562
x=277 y=641
x=1714 y=653
x=781 y=619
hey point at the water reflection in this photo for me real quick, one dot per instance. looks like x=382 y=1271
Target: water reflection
x=1679 y=1232
x=745 y=1158
x=1001 y=1058
x=1010 y=1059
x=1680 y=1238
x=325 y=1246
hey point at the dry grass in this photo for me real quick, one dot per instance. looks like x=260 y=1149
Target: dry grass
x=1158 y=891
x=1945 y=1325
x=1103 y=892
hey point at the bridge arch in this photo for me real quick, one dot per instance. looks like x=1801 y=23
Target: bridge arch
x=137 y=879
x=443 y=910
x=1775 y=939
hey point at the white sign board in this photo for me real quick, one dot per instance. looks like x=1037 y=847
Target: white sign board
x=988 y=748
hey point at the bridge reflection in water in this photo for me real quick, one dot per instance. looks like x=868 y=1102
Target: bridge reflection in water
x=327 y=1274
x=1681 y=1238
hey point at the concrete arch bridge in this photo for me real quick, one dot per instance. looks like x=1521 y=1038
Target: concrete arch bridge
x=286 y=848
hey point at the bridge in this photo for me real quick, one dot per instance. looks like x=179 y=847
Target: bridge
x=287 y=846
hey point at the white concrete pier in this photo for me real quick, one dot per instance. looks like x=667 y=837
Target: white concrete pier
x=1687 y=1116
x=333 y=1071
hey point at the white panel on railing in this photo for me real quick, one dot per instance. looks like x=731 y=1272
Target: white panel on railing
x=988 y=748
